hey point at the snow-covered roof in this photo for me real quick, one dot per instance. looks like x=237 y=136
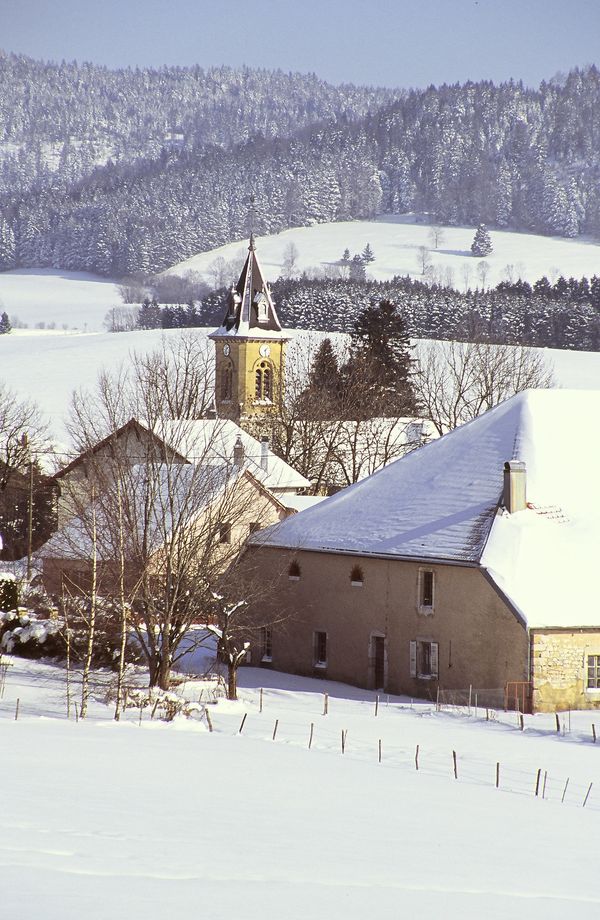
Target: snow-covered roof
x=213 y=440
x=443 y=503
x=301 y=502
x=178 y=493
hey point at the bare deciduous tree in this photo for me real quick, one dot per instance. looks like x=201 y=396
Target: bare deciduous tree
x=456 y=381
x=289 y=267
x=424 y=259
x=158 y=514
x=436 y=235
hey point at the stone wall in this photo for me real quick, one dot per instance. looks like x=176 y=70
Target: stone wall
x=559 y=669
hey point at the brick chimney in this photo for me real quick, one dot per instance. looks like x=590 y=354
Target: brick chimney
x=514 y=496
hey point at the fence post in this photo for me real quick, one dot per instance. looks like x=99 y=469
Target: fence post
x=521 y=722
x=594 y=732
x=557 y=723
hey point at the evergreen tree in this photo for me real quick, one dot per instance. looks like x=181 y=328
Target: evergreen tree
x=381 y=361
x=482 y=243
x=5 y=325
x=357 y=268
x=367 y=255
x=149 y=316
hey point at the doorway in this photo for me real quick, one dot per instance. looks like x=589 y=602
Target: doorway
x=378 y=662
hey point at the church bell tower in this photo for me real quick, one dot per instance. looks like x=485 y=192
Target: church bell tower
x=249 y=348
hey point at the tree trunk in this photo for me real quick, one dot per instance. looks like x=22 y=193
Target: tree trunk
x=92 y=622
x=231 y=681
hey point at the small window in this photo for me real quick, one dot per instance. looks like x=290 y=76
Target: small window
x=356 y=576
x=225 y=533
x=320 y=649
x=424 y=659
x=253 y=528
x=426 y=589
x=593 y=672
x=294 y=571
x=266 y=643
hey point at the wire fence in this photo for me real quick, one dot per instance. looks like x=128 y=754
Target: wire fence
x=372 y=740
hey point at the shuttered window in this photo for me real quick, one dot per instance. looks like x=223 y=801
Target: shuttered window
x=424 y=659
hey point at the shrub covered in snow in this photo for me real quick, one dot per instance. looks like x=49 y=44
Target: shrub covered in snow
x=23 y=635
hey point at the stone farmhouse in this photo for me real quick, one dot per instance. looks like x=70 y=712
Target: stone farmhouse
x=468 y=563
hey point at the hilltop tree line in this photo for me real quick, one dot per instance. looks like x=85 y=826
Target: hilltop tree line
x=168 y=169
x=565 y=314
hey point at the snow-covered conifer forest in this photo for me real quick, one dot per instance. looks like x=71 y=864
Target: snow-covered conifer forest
x=122 y=171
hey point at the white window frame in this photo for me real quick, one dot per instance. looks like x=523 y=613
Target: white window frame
x=595 y=689
x=416 y=658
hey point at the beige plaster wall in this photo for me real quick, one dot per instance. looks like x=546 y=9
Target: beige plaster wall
x=559 y=669
x=481 y=643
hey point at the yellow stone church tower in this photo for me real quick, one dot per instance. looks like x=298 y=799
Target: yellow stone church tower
x=250 y=348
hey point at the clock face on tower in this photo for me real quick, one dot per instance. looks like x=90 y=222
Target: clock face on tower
x=226 y=350
x=265 y=351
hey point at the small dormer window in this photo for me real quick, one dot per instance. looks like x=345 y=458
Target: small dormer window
x=262 y=308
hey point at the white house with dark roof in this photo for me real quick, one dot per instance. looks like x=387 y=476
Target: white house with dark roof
x=468 y=563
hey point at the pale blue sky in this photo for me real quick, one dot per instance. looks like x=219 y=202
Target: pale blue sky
x=384 y=42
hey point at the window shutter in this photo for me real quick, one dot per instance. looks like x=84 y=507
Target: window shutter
x=413 y=659
x=434 y=659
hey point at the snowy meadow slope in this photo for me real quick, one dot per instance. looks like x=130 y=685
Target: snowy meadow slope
x=149 y=821
x=47 y=367
x=396 y=240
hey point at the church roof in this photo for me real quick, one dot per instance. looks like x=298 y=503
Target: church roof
x=443 y=503
x=250 y=310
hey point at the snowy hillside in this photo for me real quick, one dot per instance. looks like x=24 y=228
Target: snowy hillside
x=46 y=368
x=56 y=299
x=396 y=240
x=140 y=822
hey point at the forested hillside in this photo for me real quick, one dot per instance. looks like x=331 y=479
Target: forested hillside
x=180 y=150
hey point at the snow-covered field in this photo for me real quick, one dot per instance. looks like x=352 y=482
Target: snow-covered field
x=66 y=300
x=46 y=368
x=134 y=822
x=395 y=241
